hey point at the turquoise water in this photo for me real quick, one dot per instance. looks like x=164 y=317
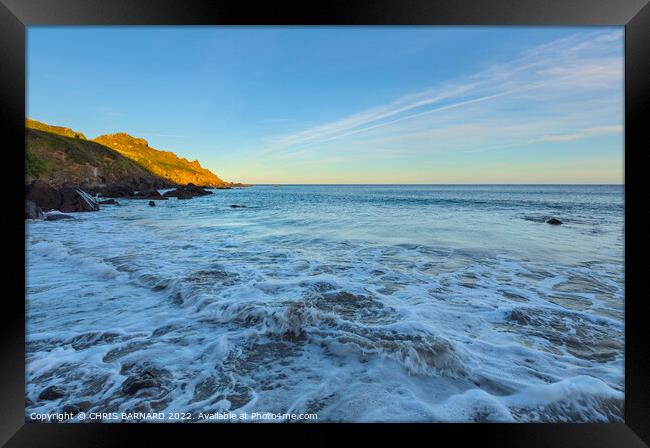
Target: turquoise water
x=358 y=303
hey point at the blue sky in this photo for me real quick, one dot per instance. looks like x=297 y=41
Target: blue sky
x=346 y=105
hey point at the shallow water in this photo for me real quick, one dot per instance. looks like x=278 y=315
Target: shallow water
x=358 y=303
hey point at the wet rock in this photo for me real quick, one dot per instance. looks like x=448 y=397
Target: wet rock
x=179 y=194
x=32 y=210
x=83 y=405
x=44 y=195
x=554 y=221
x=187 y=192
x=237 y=206
x=148 y=194
x=138 y=381
x=198 y=191
x=519 y=316
x=51 y=393
x=152 y=204
x=71 y=409
x=57 y=217
x=116 y=191
x=86 y=340
x=109 y=202
x=77 y=200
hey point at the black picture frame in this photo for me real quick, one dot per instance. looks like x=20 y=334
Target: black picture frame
x=15 y=15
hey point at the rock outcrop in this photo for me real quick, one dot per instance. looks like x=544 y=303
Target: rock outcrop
x=33 y=211
x=44 y=195
x=41 y=196
x=147 y=194
x=57 y=217
x=187 y=192
x=77 y=200
x=51 y=393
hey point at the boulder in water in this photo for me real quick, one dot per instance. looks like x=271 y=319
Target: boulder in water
x=51 y=393
x=148 y=194
x=77 y=200
x=554 y=221
x=33 y=211
x=187 y=192
x=198 y=191
x=71 y=409
x=116 y=191
x=44 y=195
x=57 y=217
x=152 y=204
x=139 y=380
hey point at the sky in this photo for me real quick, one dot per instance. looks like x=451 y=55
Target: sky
x=424 y=104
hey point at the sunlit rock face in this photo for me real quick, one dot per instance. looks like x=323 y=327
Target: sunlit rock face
x=164 y=164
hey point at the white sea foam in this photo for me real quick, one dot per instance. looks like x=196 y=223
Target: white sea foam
x=358 y=303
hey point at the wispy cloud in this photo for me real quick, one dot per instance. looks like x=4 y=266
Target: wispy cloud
x=546 y=83
x=584 y=133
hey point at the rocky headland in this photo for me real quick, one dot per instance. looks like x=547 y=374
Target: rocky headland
x=66 y=172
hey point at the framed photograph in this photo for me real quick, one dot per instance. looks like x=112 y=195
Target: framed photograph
x=385 y=217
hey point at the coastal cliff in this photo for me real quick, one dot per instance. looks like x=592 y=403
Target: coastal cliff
x=59 y=155
x=164 y=164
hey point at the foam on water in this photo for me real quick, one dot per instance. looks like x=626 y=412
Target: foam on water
x=359 y=303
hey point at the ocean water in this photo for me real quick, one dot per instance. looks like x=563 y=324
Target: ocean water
x=356 y=303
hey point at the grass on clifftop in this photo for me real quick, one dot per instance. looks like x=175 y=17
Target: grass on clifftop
x=58 y=158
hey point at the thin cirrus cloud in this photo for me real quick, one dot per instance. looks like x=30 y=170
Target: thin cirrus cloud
x=572 y=86
x=584 y=133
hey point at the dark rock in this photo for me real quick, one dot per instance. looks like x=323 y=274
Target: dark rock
x=140 y=380
x=33 y=211
x=184 y=194
x=109 y=202
x=44 y=195
x=51 y=393
x=519 y=316
x=77 y=200
x=71 y=409
x=152 y=204
x=198 y=191
x=187 y=192
x=148 y=194
x=554 y=221
x=83 y=405
x=237 y=206
x=57 y=217
x=116 y=191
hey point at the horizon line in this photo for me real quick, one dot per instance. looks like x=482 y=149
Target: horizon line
x=424 y=183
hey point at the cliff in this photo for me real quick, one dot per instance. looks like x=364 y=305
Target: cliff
x=163 y=164
x=61 y=155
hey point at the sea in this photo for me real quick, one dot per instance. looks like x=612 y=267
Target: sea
x=333 y=303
